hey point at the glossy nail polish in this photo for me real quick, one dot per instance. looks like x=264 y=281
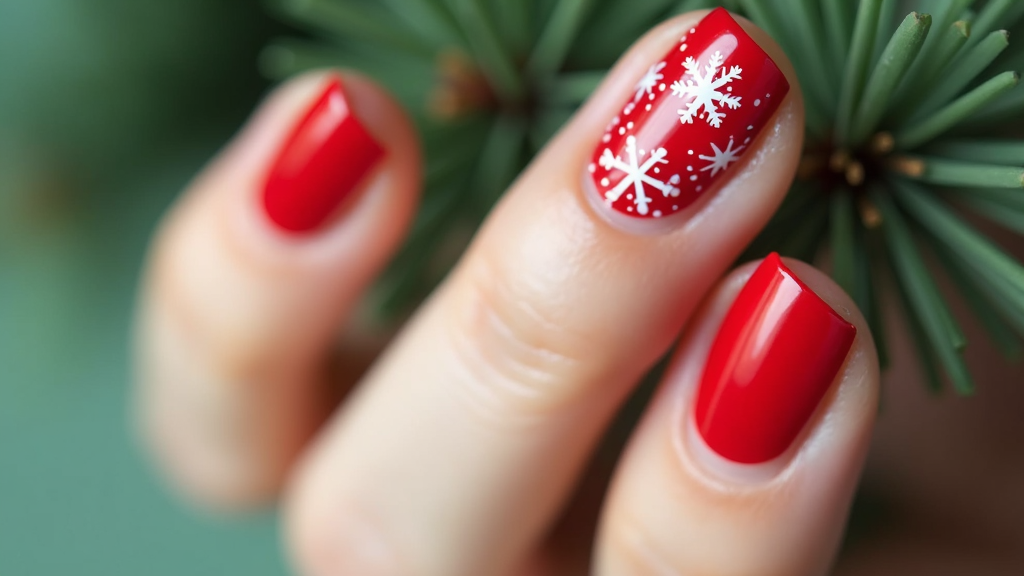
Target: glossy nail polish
x=692 y=115
x=321 y=163
x=774 y=358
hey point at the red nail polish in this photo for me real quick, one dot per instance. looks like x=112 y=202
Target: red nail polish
x=776 y=354
x=321 y=163
x=692 y=116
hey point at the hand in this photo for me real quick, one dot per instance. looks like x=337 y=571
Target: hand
x=464 y=450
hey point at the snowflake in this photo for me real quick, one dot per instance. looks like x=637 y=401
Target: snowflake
x=705 y=90
x=649 y=81
x=721 y=159
x=636 y=175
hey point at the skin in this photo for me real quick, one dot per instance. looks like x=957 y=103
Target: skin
x=464 y=450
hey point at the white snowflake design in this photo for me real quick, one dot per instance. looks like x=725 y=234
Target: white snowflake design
x=636 y=175
x=704 y=88
x=649 y=81
x=720 y=159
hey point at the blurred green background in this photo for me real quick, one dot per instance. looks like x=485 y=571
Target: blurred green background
x=107 y=108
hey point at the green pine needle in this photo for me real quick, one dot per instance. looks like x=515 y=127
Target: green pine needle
x=946 y=172
x=960 y=74
x=928 y=69
x=857 y=64
x=955 y=112
x=941 y=330
x=912 y=118
x=895 y=59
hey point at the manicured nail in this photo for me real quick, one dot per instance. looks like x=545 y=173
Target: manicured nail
x=323 y=160
x=775 y=356
x=692 y=116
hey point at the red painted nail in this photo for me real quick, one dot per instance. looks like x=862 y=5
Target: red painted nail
x=693 y=114
x=321 y=163
x=776 y=354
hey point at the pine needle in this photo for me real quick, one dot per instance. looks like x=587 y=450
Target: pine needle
x=955 y=112
x=1005 y=152
x=928 y=69
x=553 y=45
x=842 y=225
x=897 y=57
x=963 y=71
x=838 y=20
x=494 y=58
x=927 y=304
x=995 y=14
x=1000 y=272
x=946 y=172
x=856 y=68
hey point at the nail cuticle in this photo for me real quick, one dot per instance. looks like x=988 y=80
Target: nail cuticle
x=731 y=473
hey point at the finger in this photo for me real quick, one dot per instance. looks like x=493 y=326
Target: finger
x=460 y=446
x=252 y=273
x=749 y=454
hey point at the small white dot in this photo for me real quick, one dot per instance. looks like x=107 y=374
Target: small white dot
x=729 y=89
x=623 y=131
x=683 y=39
x=630 y=209
x=629 y=196
x=592 y=168
x=747 y=141
x=648 y=107
x=607 y=138
x=615 y=121
x=751 y=127
x=689 y=168
x=651 y=97
x=662 y=87
x=699 y=188
x=767 y=95
x=629 y=125
x=605 y=182
x=757 y=102
x=675 y=207
x=692 y=30
x=657 y=170
x=657 y=213
x=693 y=178
x=691 y=152
x=683 y=47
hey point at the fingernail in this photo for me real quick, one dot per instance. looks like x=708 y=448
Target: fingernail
x=774 y=358
x=327 y=155
x=693 y=114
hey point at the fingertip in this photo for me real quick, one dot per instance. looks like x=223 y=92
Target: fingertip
x=692 y=478
x=238 y=312
x=321 y=147
x=812 y=361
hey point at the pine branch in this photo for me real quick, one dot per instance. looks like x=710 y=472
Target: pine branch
x=491 y=81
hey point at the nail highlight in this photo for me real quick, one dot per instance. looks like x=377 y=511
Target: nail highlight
x=693 y=114
x=321 y=163
x=774 y=358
